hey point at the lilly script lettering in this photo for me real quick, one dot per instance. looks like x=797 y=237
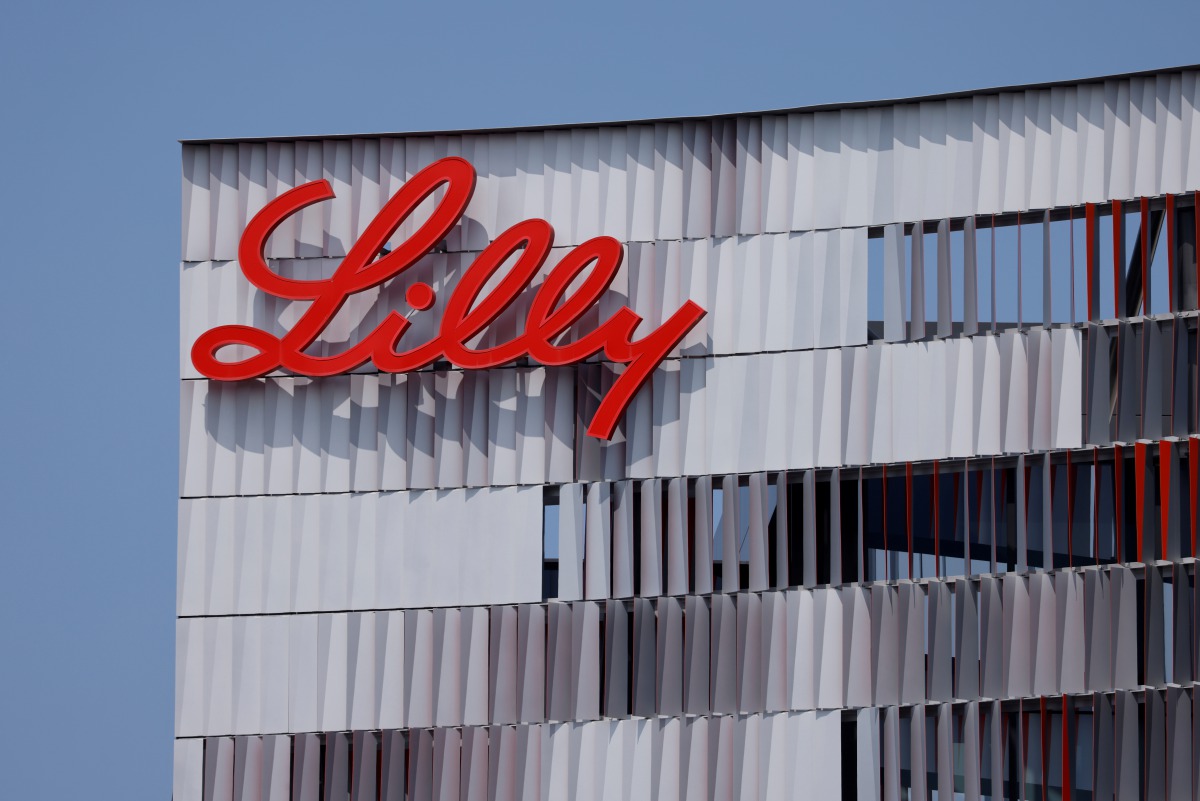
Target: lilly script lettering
x=551 y=313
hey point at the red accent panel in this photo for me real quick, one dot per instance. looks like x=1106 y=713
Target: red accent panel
x=1139 y=462
x=1164 y=492
x=552 y=311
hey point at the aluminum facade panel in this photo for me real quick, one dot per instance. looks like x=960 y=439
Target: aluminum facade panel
x=860 y=535
x=294 y=553
x=799 y=396
x=763 y=652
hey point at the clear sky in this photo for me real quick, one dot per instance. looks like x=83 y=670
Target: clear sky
x=93 y=97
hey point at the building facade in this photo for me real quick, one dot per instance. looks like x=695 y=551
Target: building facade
x=910 y=512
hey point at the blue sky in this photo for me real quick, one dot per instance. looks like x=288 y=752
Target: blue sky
x=92 y=100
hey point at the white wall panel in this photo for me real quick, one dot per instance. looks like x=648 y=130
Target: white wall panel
x=435 y=548
x=406 y=448
x=189 y=669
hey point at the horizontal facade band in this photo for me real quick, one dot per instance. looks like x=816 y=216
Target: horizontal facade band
x=399 y=549
x=761 y=173
x=943 y=519
x=1074 y=745
x=630 y=759
x=1122 y=504
x=1013 y=393
x=994 y=637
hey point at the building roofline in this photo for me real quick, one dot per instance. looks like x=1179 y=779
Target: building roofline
x=705 y=118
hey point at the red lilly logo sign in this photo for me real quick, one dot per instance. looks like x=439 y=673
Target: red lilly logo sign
x=551 y=313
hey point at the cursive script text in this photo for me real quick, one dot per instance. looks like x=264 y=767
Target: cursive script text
x=552 y=312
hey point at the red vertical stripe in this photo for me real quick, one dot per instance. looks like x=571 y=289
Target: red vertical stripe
x=908 y=495
x=1139 y=480
x=1145 y=209
x=1090 y=268
x=1118 y=221
x=1171 y=254
x=1194 y=470
x=1164 y=492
